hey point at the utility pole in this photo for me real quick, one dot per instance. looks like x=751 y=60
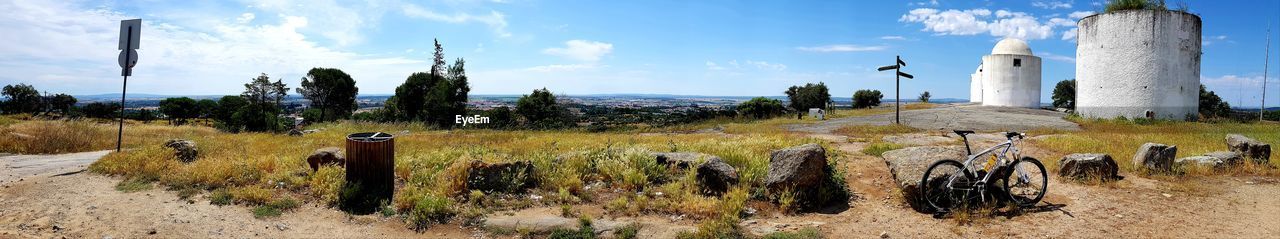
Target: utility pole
x=897 y=89
x=1262 y=110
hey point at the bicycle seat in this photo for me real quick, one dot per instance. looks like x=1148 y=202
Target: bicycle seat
x=1012 y=134
x=962 y=133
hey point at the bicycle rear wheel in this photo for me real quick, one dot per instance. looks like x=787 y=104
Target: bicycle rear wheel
x=940 y=183
x=1026 y=182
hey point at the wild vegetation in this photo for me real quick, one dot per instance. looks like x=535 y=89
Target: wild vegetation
x=866 y=98
x=1064 y=94
x=1121 y=137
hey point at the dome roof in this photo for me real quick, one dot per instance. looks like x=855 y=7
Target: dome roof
x=1012 y=46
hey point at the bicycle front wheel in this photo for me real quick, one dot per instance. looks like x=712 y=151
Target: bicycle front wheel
x=940 y=184
x=1026 y=182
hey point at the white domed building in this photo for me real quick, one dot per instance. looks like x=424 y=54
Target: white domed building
x=1009 y=77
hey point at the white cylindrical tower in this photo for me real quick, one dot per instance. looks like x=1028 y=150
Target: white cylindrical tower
x=1011 y=75
x=975 y=85
x=1138 y=64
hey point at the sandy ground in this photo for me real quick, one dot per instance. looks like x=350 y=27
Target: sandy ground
x=956 y=116
x=46 y=196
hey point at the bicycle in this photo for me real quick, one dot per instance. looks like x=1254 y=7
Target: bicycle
x=949 y=183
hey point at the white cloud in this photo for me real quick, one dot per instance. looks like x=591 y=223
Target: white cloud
x=61 y=49
x=892 y=38
x=1209 y=40
x=561 y=68
x=767 y=66
x=245 y=18
x=582 y=50
x=929 y=3
x=841 y=48
x=1080 y=14
x=1056 y=57
x=979 y=21
x=496 y=21
x=1051 y=4
x=1070 y=34
x=713 y=66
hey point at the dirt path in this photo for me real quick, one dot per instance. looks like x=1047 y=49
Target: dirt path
x=1217 y=207
x=956 y=116
x=49 y=199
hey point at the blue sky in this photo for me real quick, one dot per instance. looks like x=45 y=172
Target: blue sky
x=736 y=48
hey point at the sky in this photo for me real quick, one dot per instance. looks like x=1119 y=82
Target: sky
x=711 y=47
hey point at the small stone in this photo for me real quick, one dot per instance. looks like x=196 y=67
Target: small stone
x=1119 y=216
x=1166 y=195
x=151 y=232
x=884 y=234
x=282 y=226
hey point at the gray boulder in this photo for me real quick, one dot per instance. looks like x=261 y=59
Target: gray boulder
x=509 y=177
x=323 y=156
x=796 y=168
x=907 y=166
x=681 y=159
x=715 y=176
x=1253 y=149
x=183 y=150
x=1217 y=160
x=295 y=133
x=1088 y=166
x=1155 y=157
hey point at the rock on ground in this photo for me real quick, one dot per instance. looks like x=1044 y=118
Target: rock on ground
x=796 y=168
x=500 y=177
x=1253 y=149
x=715 y=176
x=184 y=150
x=907 y=167
x=295 y=132
x=1155 y=157
x=1217 y=160
x=327 y=155
x=1088 y=166
x=681 y=159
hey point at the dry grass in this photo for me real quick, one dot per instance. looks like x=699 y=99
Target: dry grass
x=1121 y=139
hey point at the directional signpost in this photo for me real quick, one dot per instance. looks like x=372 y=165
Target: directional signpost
x=897 y=100
x=130 y=32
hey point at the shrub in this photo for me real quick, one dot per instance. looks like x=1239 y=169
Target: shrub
x=133 y=185
x=326 y=183
x=253 y=195
x=430 y=209
x=866 y=98
x=1121 y=5
x=541 y=111
x=809 y=96
x=1212 y=106
x=275 y=208
x=585 y=231
x=221 y=197
x=924 y=97
x=807 y=233
x=878 y=148
x=1064 y=94
x=761 y=108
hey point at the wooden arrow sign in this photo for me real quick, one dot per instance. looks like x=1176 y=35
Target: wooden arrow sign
x=901 y=63
x=904 y=74
x=885 y=68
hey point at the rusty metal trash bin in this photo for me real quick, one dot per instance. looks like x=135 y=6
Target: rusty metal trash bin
x=370 y=169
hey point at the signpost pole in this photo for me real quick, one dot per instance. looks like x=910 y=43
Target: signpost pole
x=124 y=88
x=897 y=91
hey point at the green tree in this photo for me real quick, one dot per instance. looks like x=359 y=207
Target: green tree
x=101 y=110
x=262 y=105
x=179 y=110
x=761 y=108
x=435 y=96
x=21 y=98
x=541 y=111
x=866 y=98
x=331 y=92
x=924 y=97
x=144 y=115
x=225 y=111
x=1212 y=106
x=205 y=108
x=808 y=96
x=1064 y=94
x=63 y=103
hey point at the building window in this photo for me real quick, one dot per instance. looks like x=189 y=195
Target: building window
x=1017 y=62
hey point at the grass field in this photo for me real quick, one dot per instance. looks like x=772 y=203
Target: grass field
x=1121 y=139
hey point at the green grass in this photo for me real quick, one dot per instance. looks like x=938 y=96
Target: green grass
x=133 y=185
x=806 y=233
x=1121 y=139
x=878 y=148
x=275 y=208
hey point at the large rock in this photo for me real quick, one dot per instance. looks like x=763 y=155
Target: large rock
x=796 y=168
x=1088 y=166
x=324 y=156
x=681 y=159
x=1155 y=157
x=1253 y=149
x=907 y=166
x=295 y=133
x=184 y=150
x=802 y=172
x=507 y=177
x=715 y=176
x=1218 y=159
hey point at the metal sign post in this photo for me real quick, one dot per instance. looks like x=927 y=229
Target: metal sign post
x=897 y=89
x=130 y=31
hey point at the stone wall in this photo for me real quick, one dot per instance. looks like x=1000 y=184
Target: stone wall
x=1138 y=63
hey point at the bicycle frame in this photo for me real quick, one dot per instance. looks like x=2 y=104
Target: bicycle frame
x=1002 y=161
